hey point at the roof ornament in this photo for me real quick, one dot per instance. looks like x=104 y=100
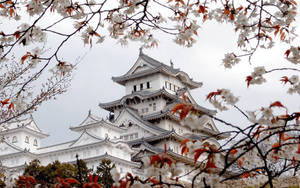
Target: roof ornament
x=172 y=64
x=141 y=50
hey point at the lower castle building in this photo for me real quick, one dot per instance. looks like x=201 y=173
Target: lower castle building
x=140 y=123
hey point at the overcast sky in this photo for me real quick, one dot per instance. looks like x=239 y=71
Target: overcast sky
x=92 y=82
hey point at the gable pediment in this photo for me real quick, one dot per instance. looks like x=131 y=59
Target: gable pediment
x=85 y=138
x=6 y=148
x=140 y=66
x=128 y=118
x=208 y=123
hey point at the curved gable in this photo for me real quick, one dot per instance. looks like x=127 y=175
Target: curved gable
x=6 y=148
x=85 y=138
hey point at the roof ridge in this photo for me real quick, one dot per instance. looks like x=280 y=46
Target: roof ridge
x=148 y=124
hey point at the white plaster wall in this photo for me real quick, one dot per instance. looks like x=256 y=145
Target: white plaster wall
x=159 y=105
x=132 y=131
x=154 y=79
x=173 y=81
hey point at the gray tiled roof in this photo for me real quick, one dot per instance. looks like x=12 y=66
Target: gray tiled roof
x=142 y=94
x=169 y=152
x=158 y=64
x=146 y=123
x=158 y=67
x=165 y=134
x=145 y=94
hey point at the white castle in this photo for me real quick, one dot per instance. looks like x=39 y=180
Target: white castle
x=139 y=124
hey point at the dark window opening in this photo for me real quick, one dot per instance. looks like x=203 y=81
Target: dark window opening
x=148 y=85
x=134 y=88
x=141 y=86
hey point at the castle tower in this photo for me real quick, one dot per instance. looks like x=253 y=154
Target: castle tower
x=152 y=89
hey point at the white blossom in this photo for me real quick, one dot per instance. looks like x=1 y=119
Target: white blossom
x=230 y=60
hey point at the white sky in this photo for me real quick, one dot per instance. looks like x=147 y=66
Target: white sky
x=92 y=82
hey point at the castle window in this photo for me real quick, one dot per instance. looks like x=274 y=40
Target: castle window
x=134 y=88
x=14 y=140
x=154 y=106
x=174 y=87
x=136 y=135
x=170 y=86
x=166 y=85
x=141 y=86
x=131 y=137
x=35 y=142
x=27 y=139
x=148 y=85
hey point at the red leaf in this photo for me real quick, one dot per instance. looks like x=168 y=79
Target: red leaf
x=155 y=159
x=11 y=12
x=11 y=106
x=69 y=11
x=294 y=162
x=31 y=179
x=2 y=6
x=245 y=175
x=184 y=98
x=226 y=11
x=201 y=9
x=275 y=157
x=96 y=179
x=198 y=153
x=248 y=80
x=72 y=181
x=296 y=115
x=91 y=178
x=4 y=102
x=183 y=142
x=184 y=150
x=24 y=57
x=177 y=107
x=167 y=160
x=184 y=112
x=17 y=34
x=240 y=161
x=284 y=79
x=284 y=138
x=233 y=151
x=91 y=185
x=276 y=147
x=153 y=180
x=298 y=150
x=276 y=104
x=287 y=53
x=213 y=94
x=210 y=163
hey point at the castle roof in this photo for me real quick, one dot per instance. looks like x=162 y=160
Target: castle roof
x=155 y=66
x=145 y=94
x=145 y=124
x=27 y=124
x=145 y=146
x=92 y=121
